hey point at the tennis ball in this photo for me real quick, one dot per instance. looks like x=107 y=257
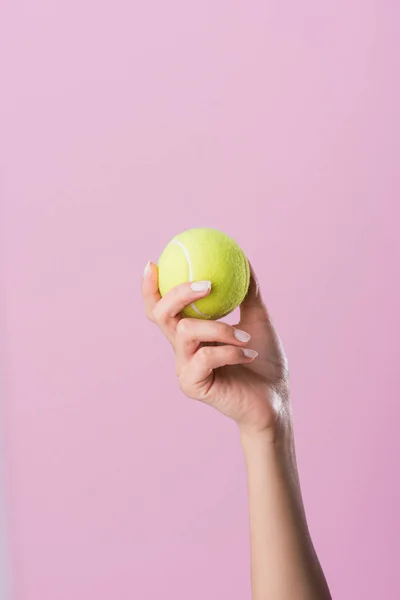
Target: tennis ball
x=206 y=254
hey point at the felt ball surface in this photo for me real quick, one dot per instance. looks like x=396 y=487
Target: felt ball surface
x=205 y=254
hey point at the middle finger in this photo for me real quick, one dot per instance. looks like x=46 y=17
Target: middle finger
x=190 y=333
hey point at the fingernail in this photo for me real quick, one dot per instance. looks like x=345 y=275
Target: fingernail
x=146 y=270
x=242 y=336
x=250 y=353
x=200 y=286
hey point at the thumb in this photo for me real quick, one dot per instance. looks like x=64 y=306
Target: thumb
x=253 y=307
x=150 y=292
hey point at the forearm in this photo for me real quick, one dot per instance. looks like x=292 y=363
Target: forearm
x=284 y=565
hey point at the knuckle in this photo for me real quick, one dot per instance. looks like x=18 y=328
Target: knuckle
x=219 y=329
x=154 y=313
x=231 y=352
x=176 y=293
x=183 y=327
x=159 y=315
x=227 y=331
x=204 y=353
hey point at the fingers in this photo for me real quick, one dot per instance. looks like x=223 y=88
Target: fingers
x=253 y=308
x=190 y=333
x=172 y=304
x=165 y=310
x=208 y=358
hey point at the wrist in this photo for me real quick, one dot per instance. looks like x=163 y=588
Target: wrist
x=278 y=434
x=277 y=440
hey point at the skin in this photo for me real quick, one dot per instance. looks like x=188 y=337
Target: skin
x=246 y=379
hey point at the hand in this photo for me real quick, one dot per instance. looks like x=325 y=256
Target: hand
x=241 y=371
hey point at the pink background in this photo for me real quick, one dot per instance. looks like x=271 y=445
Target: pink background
x=123 y=123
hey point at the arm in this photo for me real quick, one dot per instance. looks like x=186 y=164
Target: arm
x=284 y=565
x=242 y=372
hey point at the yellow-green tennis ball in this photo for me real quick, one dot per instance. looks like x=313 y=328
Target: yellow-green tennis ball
x=206 y=255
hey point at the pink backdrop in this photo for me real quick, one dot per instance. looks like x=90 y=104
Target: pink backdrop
x=123 y=123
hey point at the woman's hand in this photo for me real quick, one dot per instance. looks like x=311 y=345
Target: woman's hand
x=241 y=371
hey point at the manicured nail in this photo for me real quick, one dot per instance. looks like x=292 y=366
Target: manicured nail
x=250 y=353
x=242 y=336
x=147 y=270
x=200 y=286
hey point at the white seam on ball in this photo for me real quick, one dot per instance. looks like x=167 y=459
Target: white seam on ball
x=189 y=262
